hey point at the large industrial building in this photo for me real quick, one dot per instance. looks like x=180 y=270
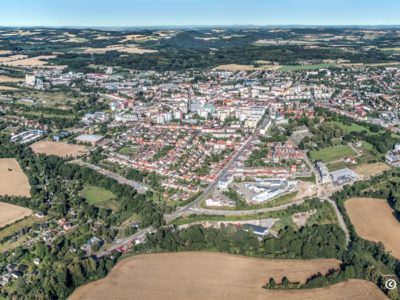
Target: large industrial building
x=268 y=189
x=343 y=176
x=28 y=136
x=92 y=139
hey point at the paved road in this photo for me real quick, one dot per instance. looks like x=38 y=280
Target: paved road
x=205 y=211
x=140 y=187
x=323 y=197
x=339 y=215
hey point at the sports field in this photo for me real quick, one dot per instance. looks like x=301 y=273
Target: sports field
x=202 y=275
x=99 y=197
x=354 y=127
x=58 y=149
x=332 y=153
x=374 y=221
x=13 y=181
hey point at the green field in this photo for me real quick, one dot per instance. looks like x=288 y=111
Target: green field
x=127 y=150
x=99 y=197
x=337 y=166
x=46 y=115
x=332 y=153
x=391 y=50
x=51 y=100
x=305 y=67
x=351 y=128
x=324 y=215
x=17 y=226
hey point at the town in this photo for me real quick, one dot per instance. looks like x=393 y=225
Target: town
x=101 y=163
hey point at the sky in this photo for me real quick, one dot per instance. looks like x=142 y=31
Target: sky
x=198 y=12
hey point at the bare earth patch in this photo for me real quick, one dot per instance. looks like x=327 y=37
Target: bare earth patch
x=11 y=213
x=300 y=219
x=374 y=169
x=58 y=149
x=305 y=190
x=198 y=275
x=13 y=181
x=373 y=220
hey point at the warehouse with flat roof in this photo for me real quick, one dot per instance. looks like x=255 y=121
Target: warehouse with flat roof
x=89 y=138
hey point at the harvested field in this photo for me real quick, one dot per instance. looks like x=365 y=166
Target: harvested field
x=11 y=213
x=58 y=149
x=13 y=181
x=7 y=88
x=37 y=61
x=236 y=67
x=4 y=78
x=374 y=221
x=354 y=289
x=362 y=65
x=139 y=38
x=199 y=275
x=367 y=170
x=132 y=49
x=5 y=52
x=12 y=58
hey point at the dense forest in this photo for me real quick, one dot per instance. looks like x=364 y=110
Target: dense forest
x=315 y=241
x=170 y=58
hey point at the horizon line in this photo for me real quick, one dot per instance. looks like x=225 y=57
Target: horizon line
x=197 y=25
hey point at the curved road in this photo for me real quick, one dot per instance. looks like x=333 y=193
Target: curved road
x=140 y=187
x=205 y=211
